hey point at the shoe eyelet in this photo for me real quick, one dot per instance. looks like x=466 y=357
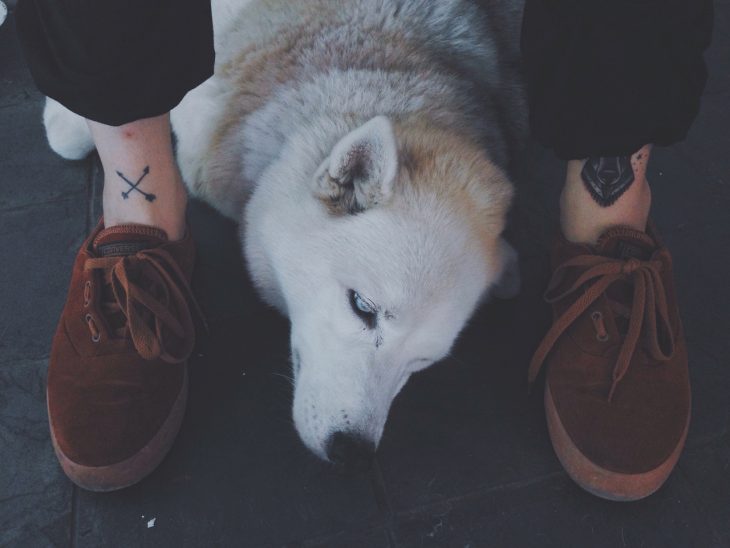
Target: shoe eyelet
x=601 y=331
x=95 y=333
x=87 y=293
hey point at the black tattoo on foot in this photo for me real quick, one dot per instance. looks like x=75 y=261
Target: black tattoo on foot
x=607 y=178
x=135 y=186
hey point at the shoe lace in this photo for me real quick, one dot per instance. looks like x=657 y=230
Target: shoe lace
x=648 y=314
x=157 y=316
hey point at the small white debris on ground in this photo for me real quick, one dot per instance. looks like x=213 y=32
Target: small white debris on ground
x=151 y=523
x=3 y=12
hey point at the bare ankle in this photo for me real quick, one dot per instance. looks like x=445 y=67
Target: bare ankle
x=587 y=211
x=142 y=183
x=157 y=199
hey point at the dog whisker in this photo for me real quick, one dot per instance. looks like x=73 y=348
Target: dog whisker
x=283 y=376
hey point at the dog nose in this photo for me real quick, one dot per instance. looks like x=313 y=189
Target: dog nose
x=350 y=450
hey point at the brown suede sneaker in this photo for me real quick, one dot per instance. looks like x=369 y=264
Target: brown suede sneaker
x=617 y=395
x=117 y=380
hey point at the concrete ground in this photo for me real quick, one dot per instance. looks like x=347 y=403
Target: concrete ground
x=465 y=460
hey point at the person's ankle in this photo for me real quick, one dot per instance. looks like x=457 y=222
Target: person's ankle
x=586 y=225
x=168 y=216
x=583 y=219
x=142 y=182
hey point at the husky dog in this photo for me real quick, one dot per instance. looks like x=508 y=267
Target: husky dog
x=362 y=146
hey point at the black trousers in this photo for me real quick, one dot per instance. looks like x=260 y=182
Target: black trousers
x=116 y=61
x=604 y=76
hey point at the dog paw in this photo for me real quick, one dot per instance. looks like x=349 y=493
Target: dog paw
x=510 y=282
x=67 y=132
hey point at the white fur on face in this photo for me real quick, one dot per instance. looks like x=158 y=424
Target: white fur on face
x=417 y=263
x=424 y=288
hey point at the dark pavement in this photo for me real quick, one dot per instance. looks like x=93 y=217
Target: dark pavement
x=465 y=460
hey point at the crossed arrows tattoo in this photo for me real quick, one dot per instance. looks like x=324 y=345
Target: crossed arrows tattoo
x=135 y=186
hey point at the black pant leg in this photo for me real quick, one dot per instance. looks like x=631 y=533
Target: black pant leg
x=608 y=76
x=116 y=61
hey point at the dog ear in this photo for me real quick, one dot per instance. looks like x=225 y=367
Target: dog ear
x=360 y=171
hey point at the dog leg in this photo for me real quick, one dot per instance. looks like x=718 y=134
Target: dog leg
x=67 y=132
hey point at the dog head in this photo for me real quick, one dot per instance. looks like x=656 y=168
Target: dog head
x=379 y=255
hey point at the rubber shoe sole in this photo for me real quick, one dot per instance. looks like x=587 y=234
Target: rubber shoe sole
x=129 y=471
x=597 y=480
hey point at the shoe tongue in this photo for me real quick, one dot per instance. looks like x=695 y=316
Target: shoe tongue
x=121 y=240
x=623 y=242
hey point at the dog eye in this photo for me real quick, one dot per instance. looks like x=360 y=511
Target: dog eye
x=361 y=304
x=364 y=310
